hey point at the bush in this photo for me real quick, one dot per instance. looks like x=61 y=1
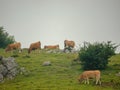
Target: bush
x=95 y=56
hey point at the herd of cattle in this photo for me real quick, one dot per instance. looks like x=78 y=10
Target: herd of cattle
x=84 y=77
x=37 y=45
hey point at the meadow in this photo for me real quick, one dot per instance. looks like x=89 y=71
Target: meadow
x=62 y=74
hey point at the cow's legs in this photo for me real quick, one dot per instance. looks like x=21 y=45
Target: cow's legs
x=87 y=80
x=98 y=81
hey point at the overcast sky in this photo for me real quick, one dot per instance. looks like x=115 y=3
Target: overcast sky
x=53 y=21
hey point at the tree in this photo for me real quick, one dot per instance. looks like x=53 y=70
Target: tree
x=5 y=38
x=95 y=56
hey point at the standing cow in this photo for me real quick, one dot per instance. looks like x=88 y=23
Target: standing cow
x=69 y=45
x=14 y=46
x=91 y=74
x=34 y=46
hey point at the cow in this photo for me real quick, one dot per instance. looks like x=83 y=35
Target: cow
x=92 y=74
x=68 y=45
x=13 y=46
x=34 y=46
x=51 y=47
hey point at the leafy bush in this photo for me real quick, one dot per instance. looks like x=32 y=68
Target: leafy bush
x=95 y=56
x=5 y=38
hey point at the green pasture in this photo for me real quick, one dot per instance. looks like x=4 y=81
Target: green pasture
x=60 y=75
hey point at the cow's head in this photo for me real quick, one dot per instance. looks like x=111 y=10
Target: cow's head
x=28 y=51
x=80 y=78
x=7 y=49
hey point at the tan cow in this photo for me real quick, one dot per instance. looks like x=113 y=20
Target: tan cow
x=51 y=47
x=34 y=46
x=69 y=44
x=86 y=75
x=13 y=46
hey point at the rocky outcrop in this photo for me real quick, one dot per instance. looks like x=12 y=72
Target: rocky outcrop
x=8 y=68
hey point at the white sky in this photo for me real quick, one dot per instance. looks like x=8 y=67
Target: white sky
x=53 y=21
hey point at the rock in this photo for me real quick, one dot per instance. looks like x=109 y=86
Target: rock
x=3 y=70
x=56 y=51
x=1 y=77
x=9 y=63
x=46 y=63
x=118 y=74
x=22 y=70
x=8 y=68
x=49 y=51
x=12 y=73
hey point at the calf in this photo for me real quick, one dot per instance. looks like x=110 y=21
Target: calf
x=86 y=75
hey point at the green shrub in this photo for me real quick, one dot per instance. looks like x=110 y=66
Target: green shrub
x=5 y=38
x=96 y=55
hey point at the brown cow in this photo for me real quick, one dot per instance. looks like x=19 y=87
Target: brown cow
x=51 y=47
x=13 y=46
x=34 y=46
x=69 y=44
x=86 y=75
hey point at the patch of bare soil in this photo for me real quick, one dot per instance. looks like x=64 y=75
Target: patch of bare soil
x=115 y=85
x=107 y=84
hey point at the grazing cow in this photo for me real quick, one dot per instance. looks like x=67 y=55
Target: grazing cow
x=13 y=46
x=51 y=47
x=34 y=46
x=86 y=75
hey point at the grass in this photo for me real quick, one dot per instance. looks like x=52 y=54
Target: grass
x=61 y=75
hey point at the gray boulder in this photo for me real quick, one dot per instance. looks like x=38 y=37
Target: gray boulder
x=8 y=68
x=3 y=70
x=46 y=63
x=118 y=74
x=1 y=77
x=9 y=63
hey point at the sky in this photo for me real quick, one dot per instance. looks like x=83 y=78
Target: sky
x=53 y=21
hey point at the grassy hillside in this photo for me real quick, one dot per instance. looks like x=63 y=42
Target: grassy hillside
x=61 y=75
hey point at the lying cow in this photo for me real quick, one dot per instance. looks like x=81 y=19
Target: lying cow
x=51 y=47
x=34 y=46
x=86 y=75
x=14 y=46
